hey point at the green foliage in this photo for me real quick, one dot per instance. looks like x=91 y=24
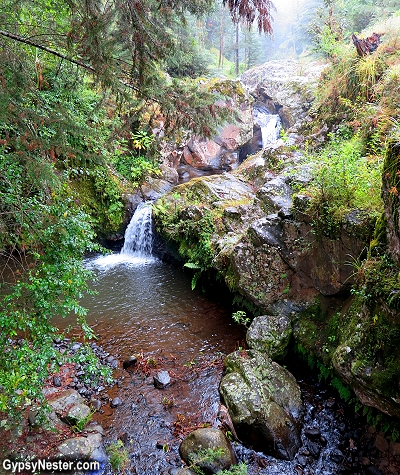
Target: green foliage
x=45 y=282
x=243 y=302
x=344 y=392
x=200 y=459
x=379 y=280
x=82 y=423
x=240 y=318
x=240 y=469
x=344 y=179
x=119 y=456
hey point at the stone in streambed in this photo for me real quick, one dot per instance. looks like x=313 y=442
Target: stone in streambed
x=117 y=401
x=207 y=438
x=162 y=380
x=129 y=362
x=57 y=381
x=264 y=402
x=312 y=433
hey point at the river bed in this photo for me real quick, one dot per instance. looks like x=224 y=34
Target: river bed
x=146 y=308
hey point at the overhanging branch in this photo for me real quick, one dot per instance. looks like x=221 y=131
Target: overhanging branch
x=54 y=52
x=45 y=48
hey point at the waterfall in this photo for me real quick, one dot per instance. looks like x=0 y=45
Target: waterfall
x=270 y=125
x=137 y=250
x=139 y=233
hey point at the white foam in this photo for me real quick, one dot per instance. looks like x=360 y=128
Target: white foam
x=112 y=260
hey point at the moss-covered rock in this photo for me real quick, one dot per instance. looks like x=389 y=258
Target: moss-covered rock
x=391 y=199
x=270 y=334
x=207 y=449
x=368 y=355
x=264 y=402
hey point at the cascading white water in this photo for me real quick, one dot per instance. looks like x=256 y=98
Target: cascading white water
x=270 y=125
x=139 y=233
x=137 y=250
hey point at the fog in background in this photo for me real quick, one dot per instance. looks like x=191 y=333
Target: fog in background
x=291 y=37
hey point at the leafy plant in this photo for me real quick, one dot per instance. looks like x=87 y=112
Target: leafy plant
x=241 y=318
x=119 y=456
x=200 y=459
x=82 y=423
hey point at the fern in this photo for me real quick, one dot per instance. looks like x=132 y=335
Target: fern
x=192 y=265
x=344 y=392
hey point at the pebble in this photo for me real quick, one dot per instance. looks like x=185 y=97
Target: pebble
x=312 y=433
x=336 y=455
x=314 y=449
x=162 y=380
x=381 y=443
x=129 y=362
x=57 y=381
x=117 y=401
x=96 y=404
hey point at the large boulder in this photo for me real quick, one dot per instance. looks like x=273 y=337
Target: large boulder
x=367 y=358
x=264 y=402
x=270 y=334
x=70 y=407
x=193 y=446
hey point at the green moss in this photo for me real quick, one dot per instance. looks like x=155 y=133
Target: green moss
x=100 y=194
x=378 y=279
x=379 y=241
x=391 y=182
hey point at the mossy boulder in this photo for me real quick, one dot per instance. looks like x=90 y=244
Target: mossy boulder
x=368 y=355
x=270 y=334
x=264 y=403
x=207 y=449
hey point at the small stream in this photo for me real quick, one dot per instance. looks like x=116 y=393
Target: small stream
x=146 y=308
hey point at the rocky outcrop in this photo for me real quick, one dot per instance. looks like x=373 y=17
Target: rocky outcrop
x=264 y=403
x=391 y=199
x=220 y=454
x=285 y=87
x=263 y=241
x=367 y=356
x=199 y=156
x=275 y=247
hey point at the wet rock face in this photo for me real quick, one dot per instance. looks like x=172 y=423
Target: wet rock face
x=391 y=199
x=208 y=438
x=264 y=403
x=366 y=360
x=270 y=334
x=285 y=87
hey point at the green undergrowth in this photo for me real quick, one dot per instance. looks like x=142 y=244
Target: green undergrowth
x=99 y=193
x=355 y=115
x=345 y=178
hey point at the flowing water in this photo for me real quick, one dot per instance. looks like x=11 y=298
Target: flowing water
x=270 y=125
x=146 y=308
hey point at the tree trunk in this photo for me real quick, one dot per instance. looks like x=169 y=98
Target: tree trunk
x=237 y=50
x=221 y=38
